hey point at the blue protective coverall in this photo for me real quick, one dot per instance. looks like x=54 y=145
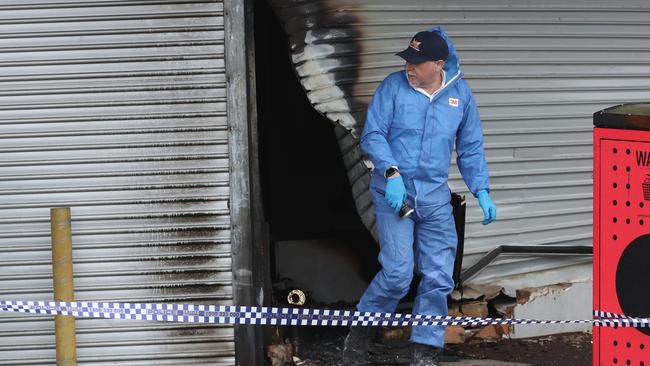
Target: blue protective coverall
x=405 y=129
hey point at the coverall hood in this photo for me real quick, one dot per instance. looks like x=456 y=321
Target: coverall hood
x=452 y=64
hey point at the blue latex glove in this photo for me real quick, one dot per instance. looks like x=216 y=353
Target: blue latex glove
x=489 y=208
x=395 y=192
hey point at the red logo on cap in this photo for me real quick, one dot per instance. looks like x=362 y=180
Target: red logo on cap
x=415 y=44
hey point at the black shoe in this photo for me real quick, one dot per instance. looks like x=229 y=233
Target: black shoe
x=425 y=355
x=357 y=343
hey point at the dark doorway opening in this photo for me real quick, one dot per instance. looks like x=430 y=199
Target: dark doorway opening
x=317 y=240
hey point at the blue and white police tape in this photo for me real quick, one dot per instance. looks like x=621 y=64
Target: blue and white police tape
x=214 y=314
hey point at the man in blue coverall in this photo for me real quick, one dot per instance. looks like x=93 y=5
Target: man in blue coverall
x=414 y=119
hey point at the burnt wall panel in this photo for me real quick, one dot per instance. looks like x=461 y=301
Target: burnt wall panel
x=116 y=109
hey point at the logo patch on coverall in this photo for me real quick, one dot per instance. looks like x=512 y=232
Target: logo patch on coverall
x=453 y=102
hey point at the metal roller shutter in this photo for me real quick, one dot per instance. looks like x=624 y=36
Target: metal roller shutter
x=538 y=71
x=118 y=110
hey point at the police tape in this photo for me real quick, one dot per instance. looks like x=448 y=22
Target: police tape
x=215 y=314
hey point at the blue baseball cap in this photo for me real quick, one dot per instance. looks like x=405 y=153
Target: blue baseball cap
x=425 y=46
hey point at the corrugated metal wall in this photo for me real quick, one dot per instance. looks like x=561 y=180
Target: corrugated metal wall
x=116 y=109
x=538 y=70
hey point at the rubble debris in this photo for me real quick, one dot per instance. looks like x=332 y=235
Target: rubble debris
x=490 y=332
x=394 y=333
x=477 y=309
x=454 y=334
x=298 y=362
x=480 y=301
x=476 y=292
x=504 y=306
x=280 y=354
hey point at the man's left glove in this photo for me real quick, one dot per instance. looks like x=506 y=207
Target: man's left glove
x=395 y=192
x=489 y=208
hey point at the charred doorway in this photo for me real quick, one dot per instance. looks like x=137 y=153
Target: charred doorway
x=317 y=241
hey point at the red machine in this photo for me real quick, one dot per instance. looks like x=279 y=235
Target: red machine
x=622 y=231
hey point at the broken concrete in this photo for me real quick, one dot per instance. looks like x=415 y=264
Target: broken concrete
x=454 y=334
x=527 y=295
x=474 y=292
x=280 y=354
x=490 y=332
x=477 y=309
x=562 y=301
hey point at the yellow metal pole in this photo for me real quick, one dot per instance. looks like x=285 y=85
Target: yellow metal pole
x=66 y=340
